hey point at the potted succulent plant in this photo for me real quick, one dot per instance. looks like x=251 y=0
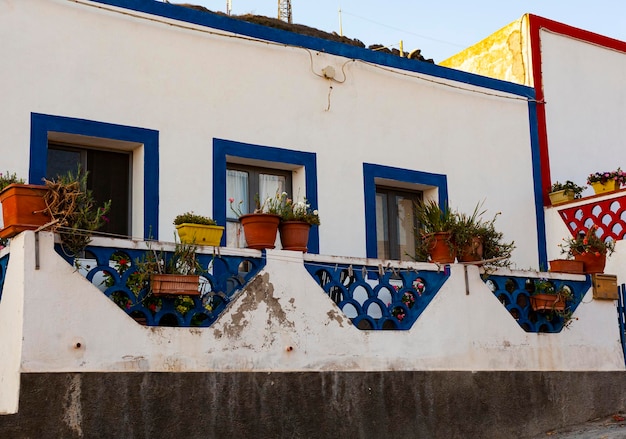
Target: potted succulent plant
x=563 y=192
x=23 y=205
x=589 y=248
x=606 y=181
x=198 y=229
x=260 y=227
x=296 y=219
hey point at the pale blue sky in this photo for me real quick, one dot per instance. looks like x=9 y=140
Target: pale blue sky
x=440 y=28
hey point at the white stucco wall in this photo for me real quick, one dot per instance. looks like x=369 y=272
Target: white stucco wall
x=282 y=308
x=586 y=100
x=73 y=60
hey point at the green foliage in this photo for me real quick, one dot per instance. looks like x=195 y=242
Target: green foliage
x=73 y=208
x=297 y=211
x=192 y=218
x=8 y=178
x=588 y=242
x=569 y=187
x=464 y=228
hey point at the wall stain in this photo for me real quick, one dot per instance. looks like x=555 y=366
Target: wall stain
x=73 y=409
x=334 y=315
x=259 y=290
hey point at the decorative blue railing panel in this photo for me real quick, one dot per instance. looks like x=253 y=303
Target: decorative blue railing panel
x=375 y=298
x=4 y=262
x=514 y=293
x=111 y=270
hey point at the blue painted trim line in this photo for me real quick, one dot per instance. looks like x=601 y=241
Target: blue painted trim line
x=228 y=24
x=371 y=172
x=223 y=148
x=4 y=263
x=542 y=252
x=42 y=124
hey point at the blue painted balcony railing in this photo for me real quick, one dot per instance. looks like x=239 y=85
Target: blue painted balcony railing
x=111 y=270
x=514 y=293
x=378 y=298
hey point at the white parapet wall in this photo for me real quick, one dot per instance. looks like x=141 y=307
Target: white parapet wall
x=54 y=320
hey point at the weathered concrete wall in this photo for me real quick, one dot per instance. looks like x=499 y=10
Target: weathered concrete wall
x=310 y=405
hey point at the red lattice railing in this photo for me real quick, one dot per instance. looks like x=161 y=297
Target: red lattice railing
x=608 y=214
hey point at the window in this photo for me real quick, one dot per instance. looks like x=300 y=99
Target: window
x=250 y=184
x=123 y=162
x=389 y=195
x=300 y=167
x=108 y=178
x=395 y=223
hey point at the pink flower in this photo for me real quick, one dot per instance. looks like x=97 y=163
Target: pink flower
x=231 y=200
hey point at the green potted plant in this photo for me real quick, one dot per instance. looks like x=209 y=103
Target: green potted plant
x=260 y=227
x=589 y=248
x=178 y=275
x=608 y=181
x=73 y=211
x=467 y=237
x=546 y=298
x=478 y=240
x=198 y=229
x=436 y=227
x=563 y=192
x=23 y=205
x=296 y=219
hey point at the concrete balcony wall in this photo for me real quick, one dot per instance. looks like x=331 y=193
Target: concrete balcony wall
x=281 y=321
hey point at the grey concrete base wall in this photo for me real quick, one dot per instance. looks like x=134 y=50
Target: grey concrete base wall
x=310 y=405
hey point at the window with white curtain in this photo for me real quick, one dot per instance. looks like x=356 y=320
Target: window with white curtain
x=249 y=186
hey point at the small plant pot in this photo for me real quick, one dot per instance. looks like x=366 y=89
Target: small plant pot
x=547 y=302
x=560 y=197
x=592 y=263
x=472 y=252
x=441 y=250
x=567 y=266
x=175 y=284
x=200 y=234
x=601 y=188
x=260 y=229
x=23 y=208
x=294 y=235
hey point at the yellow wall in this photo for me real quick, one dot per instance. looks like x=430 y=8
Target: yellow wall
x=502 y=55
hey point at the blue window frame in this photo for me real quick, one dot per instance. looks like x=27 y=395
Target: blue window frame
x=374 y=175
x=42 y=124
x=223 y=149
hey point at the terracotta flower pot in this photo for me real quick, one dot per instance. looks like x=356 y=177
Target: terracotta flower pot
x=441 y=250
x=23 y=208
x=260 y=229
x=472 y=252
x=547 y=302
x=174 y=284
x=592 y=263
x=294 y=235
x=567 y=266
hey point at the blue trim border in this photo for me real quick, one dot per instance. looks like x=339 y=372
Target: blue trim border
x=542 y=252
x=41 y=124
x=224 y=148
x=371 y=172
